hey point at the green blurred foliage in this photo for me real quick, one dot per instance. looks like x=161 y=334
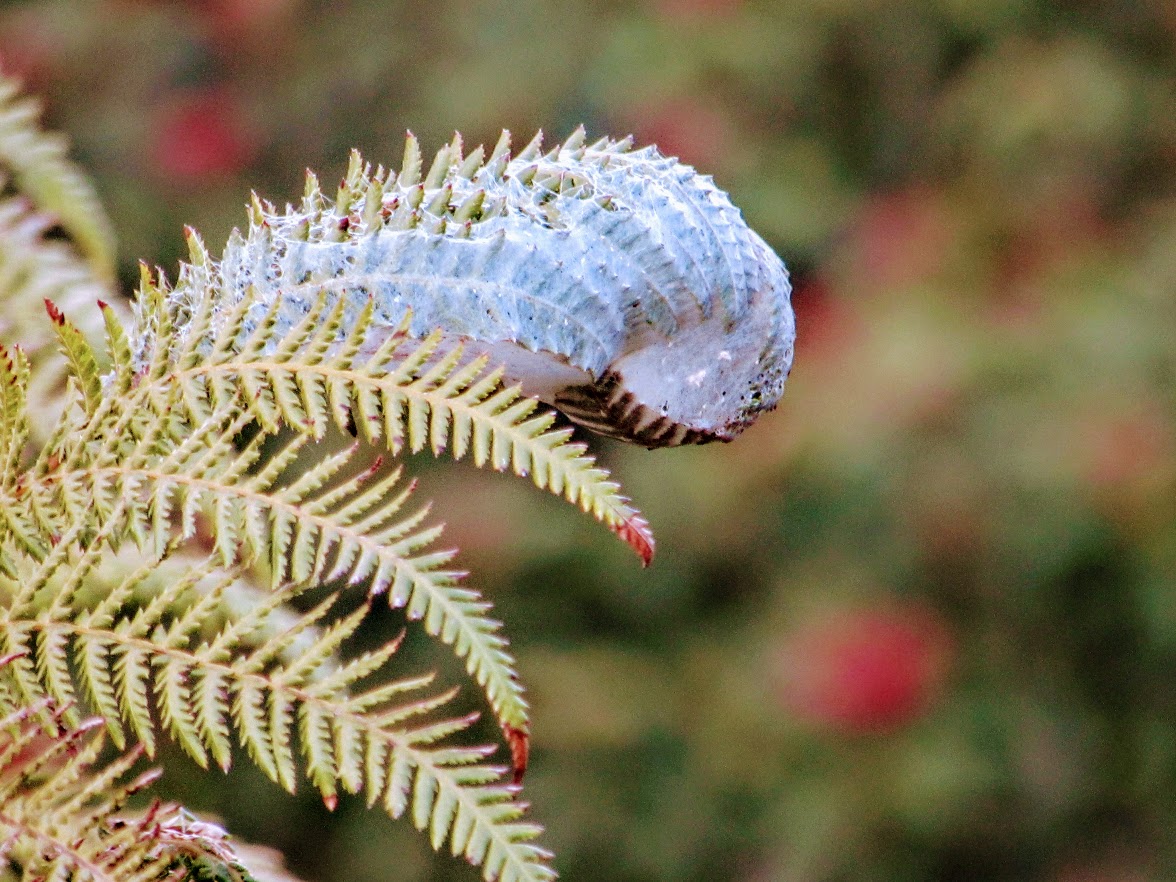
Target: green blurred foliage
x=973 y=470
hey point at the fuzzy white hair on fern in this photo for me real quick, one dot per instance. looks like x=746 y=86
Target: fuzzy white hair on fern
x=618 y=285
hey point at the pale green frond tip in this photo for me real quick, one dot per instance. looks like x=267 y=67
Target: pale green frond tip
x=79 y=354
x=42 y=171
x=410 y=166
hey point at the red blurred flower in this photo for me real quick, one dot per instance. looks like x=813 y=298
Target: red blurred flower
x=678 y=9
x=249 y=25
x=30 y=50
x=903 y=238
x=864 y=670
x=200 y=136
x=827 y=324
x=688 y=127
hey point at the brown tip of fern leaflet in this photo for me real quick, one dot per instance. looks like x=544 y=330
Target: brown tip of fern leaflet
x=520 y=750
x=636 y=533
x=54 y=313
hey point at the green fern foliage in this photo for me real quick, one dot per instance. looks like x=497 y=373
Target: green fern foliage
x=58 y=814
x=117 y=472
x=337 y=367
x=155 y=666
x=137 y=467
x=188 y=550
x=42 y=171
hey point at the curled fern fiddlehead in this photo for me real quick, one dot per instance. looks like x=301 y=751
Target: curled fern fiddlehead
x=620 y=286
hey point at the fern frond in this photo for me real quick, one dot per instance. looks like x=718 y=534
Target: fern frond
x=58 y=814
x=617 y=285
x=419 y=311
x=35 y=269
x=61 y=816
x=43 y=172
x=14 y=421
x=392 y=388
x=102 y=473
x=167 y=673
x=79 y=354
x=326 y=523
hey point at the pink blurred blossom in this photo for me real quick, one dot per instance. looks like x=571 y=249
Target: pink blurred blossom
x=200 y=136
x=903 y=238
x=30 y=50
x=862 y=670
x=676 y=10
x=695 y=130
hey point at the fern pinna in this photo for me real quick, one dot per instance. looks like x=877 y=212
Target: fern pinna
x=175 y=555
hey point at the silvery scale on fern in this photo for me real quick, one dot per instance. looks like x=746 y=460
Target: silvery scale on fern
x=618 y=285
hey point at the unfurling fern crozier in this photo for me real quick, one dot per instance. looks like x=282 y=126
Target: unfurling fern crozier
x=618 y=285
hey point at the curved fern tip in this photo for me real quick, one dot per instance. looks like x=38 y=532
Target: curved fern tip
x=638 y=535
x=146 y=779
x=519 y=740
x=55 y=314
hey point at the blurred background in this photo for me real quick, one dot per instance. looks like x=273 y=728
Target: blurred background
x=920 y=622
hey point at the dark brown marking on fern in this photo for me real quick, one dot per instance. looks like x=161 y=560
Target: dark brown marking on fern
x=371 y=470
x=55 y=314
x=520 y=750
x=12 y=656
x=608 y=408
